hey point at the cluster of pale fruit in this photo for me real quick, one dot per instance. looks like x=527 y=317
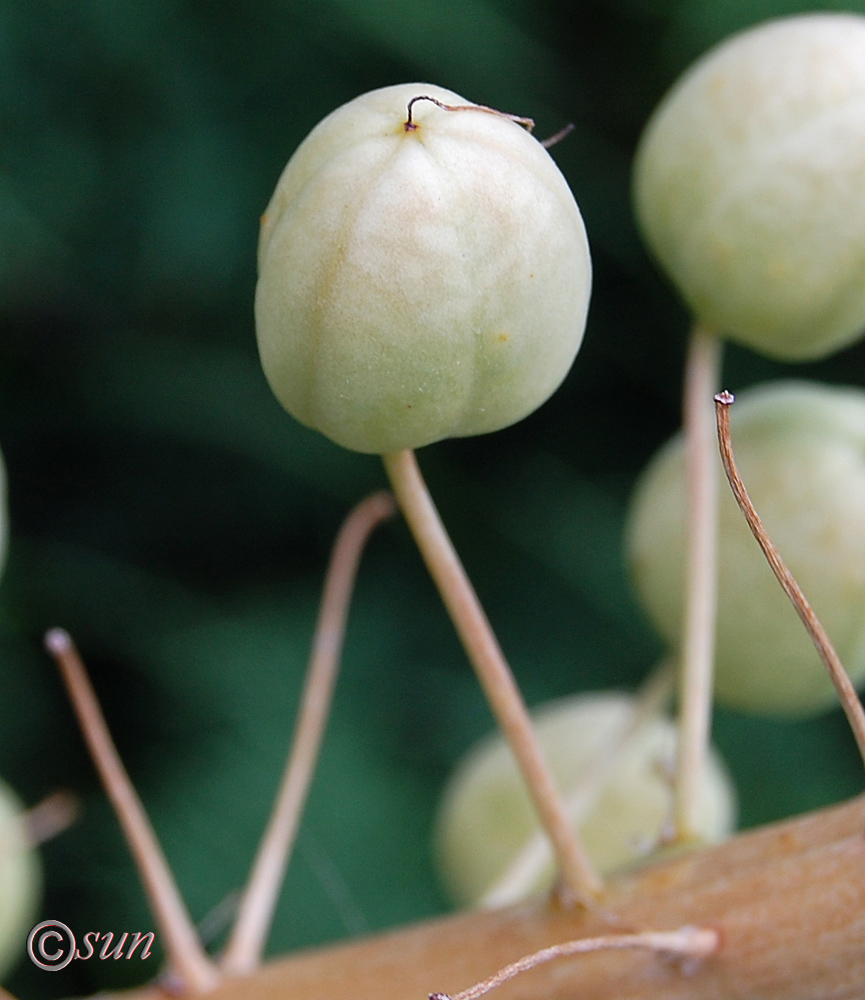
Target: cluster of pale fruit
x=424 y=273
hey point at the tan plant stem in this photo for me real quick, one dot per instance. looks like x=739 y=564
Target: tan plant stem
x=188 y=959
x=687 y=942
x=788 y=901
x=526 y=869
x=248 y=937
x=698 y=624
x=846 y=692
x=494 y=674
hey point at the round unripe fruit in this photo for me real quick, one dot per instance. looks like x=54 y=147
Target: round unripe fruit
x=486 y=818
x=20 y=881
x=419 y=284
x=800 y=449
x=749 y=183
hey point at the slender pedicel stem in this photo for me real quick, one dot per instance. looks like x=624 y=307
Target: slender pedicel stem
x=846 y=692
x=698 y=624
x=493 y=672
x=188 y=959
x=248 y=937
x=695 y=943
x=526 y=868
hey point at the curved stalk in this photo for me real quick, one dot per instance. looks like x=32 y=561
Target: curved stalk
x=494 y=674
x=246 y=944
x=686 y=943
x=846 y=692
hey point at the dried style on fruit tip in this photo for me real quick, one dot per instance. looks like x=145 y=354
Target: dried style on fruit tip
x=421 y=282
x=749 y=180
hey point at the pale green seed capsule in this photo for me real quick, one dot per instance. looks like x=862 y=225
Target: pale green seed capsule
x=419 y=284
x=616 y=785
x=4 y=516
x=749 y=185
x=20 y=881
x=800 y=449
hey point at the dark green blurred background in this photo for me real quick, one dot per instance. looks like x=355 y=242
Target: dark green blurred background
x=177 y=522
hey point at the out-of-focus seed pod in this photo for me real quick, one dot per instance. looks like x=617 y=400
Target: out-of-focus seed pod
x=20 y=880
x=749 y=182
x=486 y=819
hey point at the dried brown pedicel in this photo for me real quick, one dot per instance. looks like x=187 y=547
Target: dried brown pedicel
x=850 y=702
x=800 y=450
